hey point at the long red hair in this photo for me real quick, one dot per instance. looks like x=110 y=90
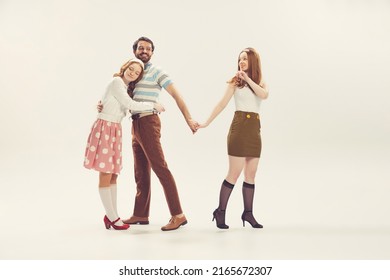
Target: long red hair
x=132 y=84
x=254 y=68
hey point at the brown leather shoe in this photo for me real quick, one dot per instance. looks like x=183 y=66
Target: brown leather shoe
x=136 y=220
x=174 y=223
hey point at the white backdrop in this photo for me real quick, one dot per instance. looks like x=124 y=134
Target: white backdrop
x=325 y=126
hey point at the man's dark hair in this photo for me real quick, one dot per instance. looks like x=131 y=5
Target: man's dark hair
x=146 y=39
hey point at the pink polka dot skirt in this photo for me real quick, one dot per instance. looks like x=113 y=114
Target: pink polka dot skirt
x=104 y=147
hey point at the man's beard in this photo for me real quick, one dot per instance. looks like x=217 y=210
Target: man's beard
x=143 y=57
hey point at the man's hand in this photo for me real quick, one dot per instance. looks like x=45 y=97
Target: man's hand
x=194 y=125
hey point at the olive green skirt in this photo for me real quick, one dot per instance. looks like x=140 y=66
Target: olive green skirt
x=244 y=138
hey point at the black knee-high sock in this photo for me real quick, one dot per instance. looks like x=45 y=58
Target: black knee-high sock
x=224 y=194
x=248 y=191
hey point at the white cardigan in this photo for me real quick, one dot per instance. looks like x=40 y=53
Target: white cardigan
x=116 y=102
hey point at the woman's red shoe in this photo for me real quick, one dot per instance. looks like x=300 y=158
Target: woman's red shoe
x=109 y=224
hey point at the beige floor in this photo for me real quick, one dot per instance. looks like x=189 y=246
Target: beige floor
x=66 y=224
x=194 y=242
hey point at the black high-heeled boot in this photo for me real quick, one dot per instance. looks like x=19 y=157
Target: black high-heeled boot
x=247 y=216
x=219 y=216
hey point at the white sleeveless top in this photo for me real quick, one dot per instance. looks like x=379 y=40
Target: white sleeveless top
x=246 y=100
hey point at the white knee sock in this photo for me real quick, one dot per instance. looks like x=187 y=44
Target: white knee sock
x=105 y=195
x=114 y=197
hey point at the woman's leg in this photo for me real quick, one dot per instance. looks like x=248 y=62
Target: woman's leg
x=236 y=164
x=106 y=197
x=248 y=191
x=113 y=188
x=250 y=169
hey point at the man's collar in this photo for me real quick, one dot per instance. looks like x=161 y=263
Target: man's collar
x=147 y=65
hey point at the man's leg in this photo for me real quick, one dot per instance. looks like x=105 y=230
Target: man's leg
x=150 y=135
x=142 y=177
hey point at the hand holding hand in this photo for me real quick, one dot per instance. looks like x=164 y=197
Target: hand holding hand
x=194 y=125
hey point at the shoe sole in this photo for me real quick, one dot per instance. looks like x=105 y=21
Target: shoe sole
x=136 y=223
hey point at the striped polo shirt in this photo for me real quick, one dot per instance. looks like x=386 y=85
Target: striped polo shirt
x=149 y=88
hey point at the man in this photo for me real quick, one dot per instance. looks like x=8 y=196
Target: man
x=147 y=150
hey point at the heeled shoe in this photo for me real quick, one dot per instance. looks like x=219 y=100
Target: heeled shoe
x=250 y=219
x=109 y=224
x=219 y=216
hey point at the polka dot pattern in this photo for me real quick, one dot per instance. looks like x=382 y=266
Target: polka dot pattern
x=103 y=151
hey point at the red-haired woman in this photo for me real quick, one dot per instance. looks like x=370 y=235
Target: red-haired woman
x=244 y=141
x=104 y=146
